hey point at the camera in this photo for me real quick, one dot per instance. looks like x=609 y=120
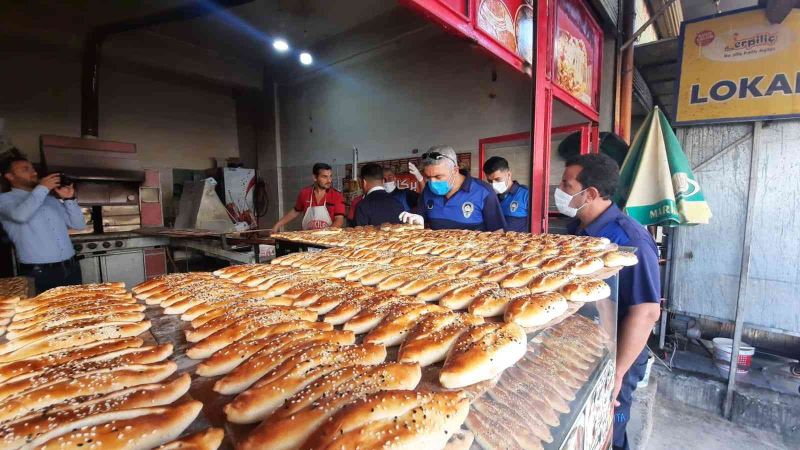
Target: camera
x=66 y=180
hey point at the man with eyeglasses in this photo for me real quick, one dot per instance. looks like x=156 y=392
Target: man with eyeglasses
x=453 y=200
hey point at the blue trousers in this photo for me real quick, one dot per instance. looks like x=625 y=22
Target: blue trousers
x=622 y=413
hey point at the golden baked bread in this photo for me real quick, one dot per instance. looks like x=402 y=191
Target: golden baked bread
x=83 y=385
x=494 y=301
x=433 y=336
x=481 y=353
x=536 y=310
x=585 y=290
x=208 y=439
x=549 y=281
x=397 y=419
x=226 y=359
x=143 y=429
x=278 y=349
x=294 y=374
x=394 y=328
x=294 y=422
x=39 y=427
x=461 y=298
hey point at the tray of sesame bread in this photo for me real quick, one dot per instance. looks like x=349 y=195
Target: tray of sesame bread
x=408 y=341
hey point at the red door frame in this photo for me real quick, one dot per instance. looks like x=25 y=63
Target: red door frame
x=588 y=137
x=589 y=144
x=544 y=89
x=482 y=143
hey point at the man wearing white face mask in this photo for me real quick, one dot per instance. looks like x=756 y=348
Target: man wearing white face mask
x=588 y=183
x=514 y=197
x=406 y=197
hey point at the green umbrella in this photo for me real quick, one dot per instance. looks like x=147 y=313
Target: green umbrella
x=657 y=186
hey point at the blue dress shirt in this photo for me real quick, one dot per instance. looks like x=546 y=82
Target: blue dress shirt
x=37 y=224
x=637 y=284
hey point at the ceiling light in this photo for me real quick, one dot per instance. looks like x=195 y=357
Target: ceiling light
x=280 y=45
x=306 y=59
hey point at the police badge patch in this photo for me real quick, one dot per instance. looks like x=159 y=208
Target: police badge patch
x=467 y=208
x=513 y=206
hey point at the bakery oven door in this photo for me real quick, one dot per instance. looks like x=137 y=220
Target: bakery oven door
x=123 y=266
x=90 y=269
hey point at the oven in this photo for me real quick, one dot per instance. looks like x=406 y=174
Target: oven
x=117 y=196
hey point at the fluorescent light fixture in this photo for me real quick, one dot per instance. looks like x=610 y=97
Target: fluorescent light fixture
x=306 y=59
x=280 y=45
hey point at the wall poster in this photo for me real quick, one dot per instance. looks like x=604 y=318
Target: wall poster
x=576 y=62
x=510 y=23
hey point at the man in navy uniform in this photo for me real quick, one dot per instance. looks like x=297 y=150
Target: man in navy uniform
x=513 y=196
x=454 y=200
x=377 y=206
x=585 y=191
x=407 y=197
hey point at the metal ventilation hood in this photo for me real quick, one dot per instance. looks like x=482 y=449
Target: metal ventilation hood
x=91 y=159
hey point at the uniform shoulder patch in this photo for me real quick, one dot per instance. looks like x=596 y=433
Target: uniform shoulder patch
x=467 y=208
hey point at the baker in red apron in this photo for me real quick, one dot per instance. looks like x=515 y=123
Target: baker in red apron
x=320 y=205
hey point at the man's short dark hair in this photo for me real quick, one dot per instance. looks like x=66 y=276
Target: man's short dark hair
x=372 y=172
x=494 y=164
x=7 y=163
x=598 y=171
x=319 y=167
x=389 y=169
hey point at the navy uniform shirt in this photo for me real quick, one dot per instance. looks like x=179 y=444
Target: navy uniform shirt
x=473 y=207
x=378 y=207
x=406 y=197
x=514 y=203
x=640 y=283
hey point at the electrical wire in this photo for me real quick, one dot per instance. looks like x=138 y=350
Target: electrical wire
x=260 y=198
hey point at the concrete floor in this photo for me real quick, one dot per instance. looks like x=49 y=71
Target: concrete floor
x=678 y=427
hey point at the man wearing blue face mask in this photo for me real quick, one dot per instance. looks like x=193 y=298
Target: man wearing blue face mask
x=585 y=192
x=452 y=200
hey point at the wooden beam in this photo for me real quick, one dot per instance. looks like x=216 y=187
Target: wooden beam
x=777 y=10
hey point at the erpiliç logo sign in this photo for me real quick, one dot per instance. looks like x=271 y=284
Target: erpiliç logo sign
x=704 y=38
x=749 y=42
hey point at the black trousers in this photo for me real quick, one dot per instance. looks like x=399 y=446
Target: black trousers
x=48 y=276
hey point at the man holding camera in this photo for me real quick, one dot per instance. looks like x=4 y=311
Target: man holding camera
x=37 y=224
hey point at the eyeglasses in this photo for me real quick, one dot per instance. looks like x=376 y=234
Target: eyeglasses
x=435 y=156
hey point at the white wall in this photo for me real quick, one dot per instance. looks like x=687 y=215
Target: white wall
x=174 y=124
x=438 y=91
x=428 y=89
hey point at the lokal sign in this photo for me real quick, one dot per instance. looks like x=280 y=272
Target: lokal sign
x=738 y=67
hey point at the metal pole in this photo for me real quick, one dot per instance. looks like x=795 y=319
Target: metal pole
x=642 y=28
x=667 y=291
x=626 y=76
x=744 y=271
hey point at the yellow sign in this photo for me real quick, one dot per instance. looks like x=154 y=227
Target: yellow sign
x=737 y=67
